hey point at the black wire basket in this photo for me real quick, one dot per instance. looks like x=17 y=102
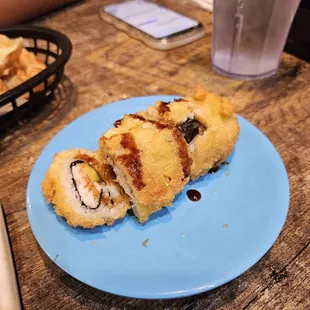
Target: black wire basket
x=54 y=49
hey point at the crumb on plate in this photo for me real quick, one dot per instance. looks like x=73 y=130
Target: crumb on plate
x=145 y=242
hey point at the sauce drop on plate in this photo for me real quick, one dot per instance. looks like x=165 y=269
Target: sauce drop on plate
x=193 y=195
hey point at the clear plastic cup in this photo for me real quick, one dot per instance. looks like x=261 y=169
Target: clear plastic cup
x=249 y=36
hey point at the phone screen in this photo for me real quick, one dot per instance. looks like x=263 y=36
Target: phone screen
x=156 y=21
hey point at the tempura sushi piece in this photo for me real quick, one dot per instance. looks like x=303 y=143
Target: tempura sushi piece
x=83 y=191
x=208 y=124
x=150 y=160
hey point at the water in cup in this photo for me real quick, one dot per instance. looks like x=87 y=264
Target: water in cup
x=249 y=36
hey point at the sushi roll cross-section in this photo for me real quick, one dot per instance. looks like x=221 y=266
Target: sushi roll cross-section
x=83 y=191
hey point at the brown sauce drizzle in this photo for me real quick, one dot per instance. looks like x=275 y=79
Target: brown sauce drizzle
x=132 y=160
x=163 y=108
x=88 y=159
x=117 y=123
x=137 y=116
x=186 y=160
x=193 y=195
x=180 y=100
x=157 y=124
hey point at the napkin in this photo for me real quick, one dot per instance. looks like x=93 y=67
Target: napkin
x=9 y=296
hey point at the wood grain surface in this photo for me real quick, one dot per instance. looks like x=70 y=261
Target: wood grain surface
x=107 y=65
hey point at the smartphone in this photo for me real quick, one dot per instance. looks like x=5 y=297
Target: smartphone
x=156 y=26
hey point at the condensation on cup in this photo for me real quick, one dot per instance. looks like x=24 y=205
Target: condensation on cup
x=249 y=36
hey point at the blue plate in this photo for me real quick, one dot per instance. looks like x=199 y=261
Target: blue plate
x=193 y=246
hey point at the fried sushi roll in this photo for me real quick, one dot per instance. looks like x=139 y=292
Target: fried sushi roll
x=82 y=190
x=207 y=123
x=150 y=160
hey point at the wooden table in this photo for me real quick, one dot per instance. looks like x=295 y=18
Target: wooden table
x=107 y=65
